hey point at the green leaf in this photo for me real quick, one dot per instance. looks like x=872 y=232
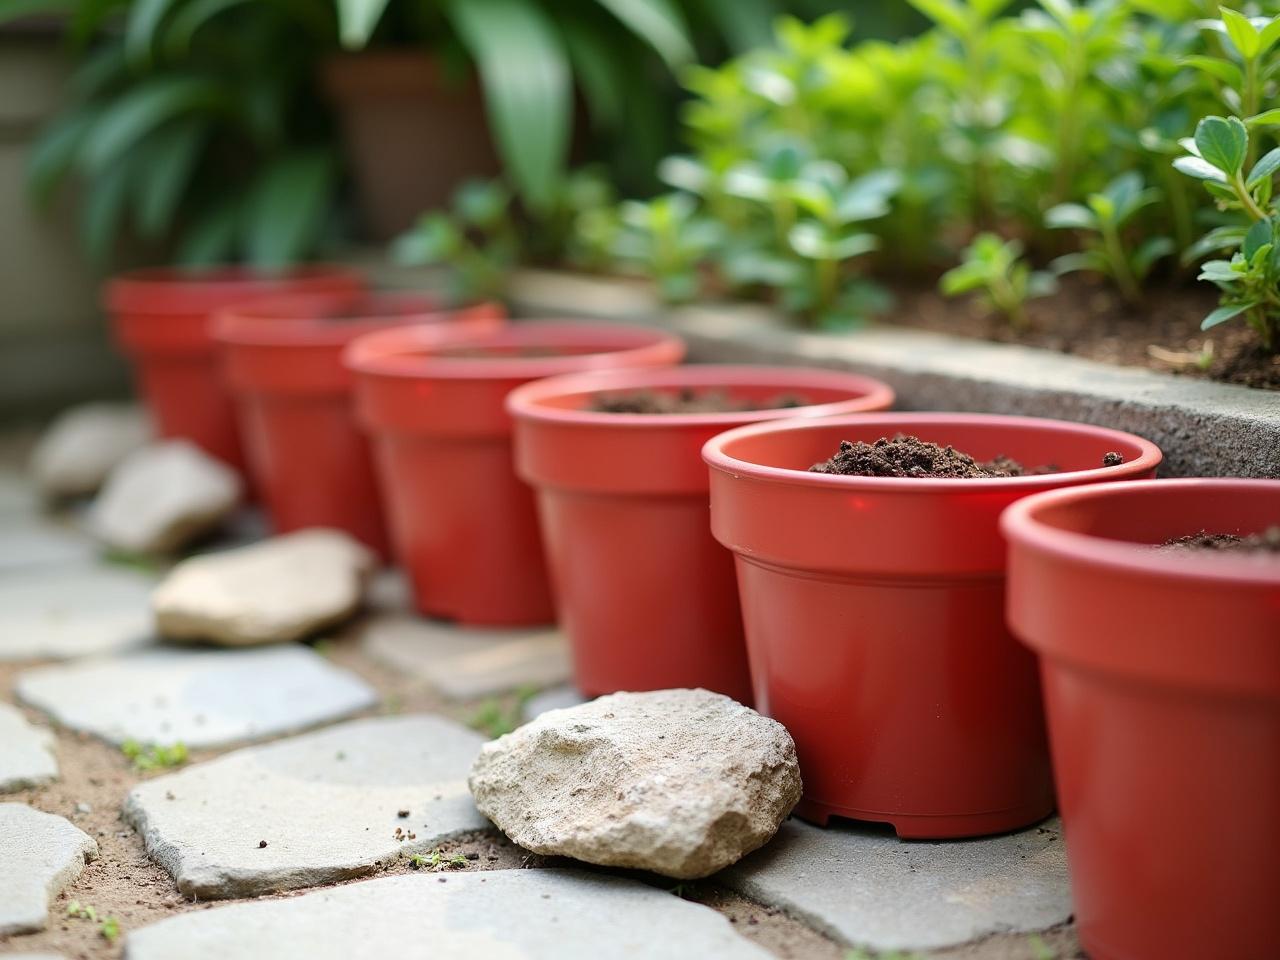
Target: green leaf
x=1219 y=238
x=286 y=207
x=1268 y=35
x=188 y=20
x=142 y=26
x=963 y=279
x=1219 y=271
x=1223 y=142
x=357 y=19
x=1265 y=119
x=1149 y=252
x=102 y=210
x=1070 y=216
x=1090 y=260
x=1264 y=168
x=1223 y=314
x=659 y=23
x=212 y=238
x=172 y=159
x=745 y=24
x=601 y=77
x=1241 y=32
x=141 y=110
x=525 y=73
x=54 y=153
x=947 y=14
x=1259 y=234
x=1223 y=70
x=1195 y=167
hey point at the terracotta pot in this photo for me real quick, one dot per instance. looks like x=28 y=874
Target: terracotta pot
x=645 y=594
x=433 y=400
x=283 y=363
x=411 y=133
x=874 y=614
x=1161 y=677
x=161 y=319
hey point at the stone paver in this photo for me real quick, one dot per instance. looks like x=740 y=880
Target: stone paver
x=40 y=855
x=278 y=590
x=492 y=915
x=556 y=698
x=17 y=494
x=26 y=753
x=869 y=889
x=200 y=697
x=84 y=443
x=462 y=662
x=327 y=804
x=74 y=611
x=30 y=544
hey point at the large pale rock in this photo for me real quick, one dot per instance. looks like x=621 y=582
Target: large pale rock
x=866 y=888
x=40 y=855
x=327 y=804
x=202 y=698
x=83 y=444
x=278 y=590
x=680 y=782
x=490 y=915
x=26 y=752
x=73 y=611
x=162 y=497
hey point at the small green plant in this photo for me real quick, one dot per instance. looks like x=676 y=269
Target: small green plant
x=154 y=756
x=669 y=239
x=1039 y=949
x=496 y=718
x=1249 y=282
x=995 y=269
x=108 y=927
x=475 y=238
x=1103 y=218
x=858 y=953
x=435 y=860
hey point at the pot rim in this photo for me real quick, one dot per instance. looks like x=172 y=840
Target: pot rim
x=408 y=352
x=1021 y=523
x=715 y=455
x=529 y=401
x=296 y=320
x=161 y=290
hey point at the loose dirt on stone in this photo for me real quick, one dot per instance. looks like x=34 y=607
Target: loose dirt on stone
x=688 y=401
x=1266 y=542
x=908 y=456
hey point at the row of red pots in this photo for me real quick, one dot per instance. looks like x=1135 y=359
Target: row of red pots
x=874 y=607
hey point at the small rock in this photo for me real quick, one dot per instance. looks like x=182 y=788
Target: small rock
x=83 y=807
x=679 y=782
x=26 y=752
x=84 y=444
x=282 y=589
x=40 y=856
x=162 y=497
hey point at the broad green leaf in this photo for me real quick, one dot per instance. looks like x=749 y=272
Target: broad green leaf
x=1265 y=119
x=103 y=210
x=142 y=27
x=1223 y=314
x=172 y=158
x=948 y=14
x=1219 y=238
x=1264 y=168
x=659 y=23
x=745 y=24
x=1241 y=32
x=1268 y=35
x=285 y=208
x=1070 y=216
x=1219 y=271
x=54 y=153
x=963 y=279
x=527 y=85
x=1088 y=260
x=1223 y=142
x=141 y=110
x=1259 y=234
x=1223 y=70
x=187 y=21
x=601 y=77
x=357 y=19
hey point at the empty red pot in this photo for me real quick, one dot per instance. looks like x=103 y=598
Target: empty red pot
x=464 y=525
x=874 y=614
x=1161 y=677
x=645 y=594
x=283 y=363
x=161 y=319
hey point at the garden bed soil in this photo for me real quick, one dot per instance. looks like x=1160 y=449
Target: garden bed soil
x=687 y=401
x=1086 y=318
x=908 y=456
x=1261 y=543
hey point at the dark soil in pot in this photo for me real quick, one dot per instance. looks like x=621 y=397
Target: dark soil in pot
x=688 y=401
x=1087 y=318
x=1266 y=542
x=908 y=456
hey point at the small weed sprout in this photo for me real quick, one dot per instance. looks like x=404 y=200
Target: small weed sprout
x=495 y=719
x=995 y=268
x=154 y=756
x=858 y=953
x=437 y=860
x=1039 y=949
x=108 y=927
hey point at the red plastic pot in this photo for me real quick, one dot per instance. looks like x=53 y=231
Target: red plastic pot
x=874 y=614
x=645 y=594
x=161 y=319
x=1161 y=678
x=283 y=364
x=464 y=525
